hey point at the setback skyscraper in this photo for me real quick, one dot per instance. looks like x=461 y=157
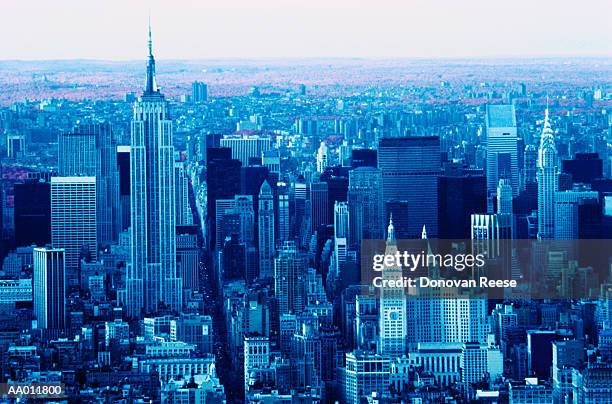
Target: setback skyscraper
x=548 y=182
x=152 y=277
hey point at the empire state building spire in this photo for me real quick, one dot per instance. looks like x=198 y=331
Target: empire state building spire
x=151 y=87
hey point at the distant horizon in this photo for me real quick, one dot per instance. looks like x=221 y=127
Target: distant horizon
x=216 y=29
x=323 y=58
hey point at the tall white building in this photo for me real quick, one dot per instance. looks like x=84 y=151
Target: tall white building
x=73 y=221
x=49 y=288
x=341 y=233
x=365 y=373
x=392 y=315
x=502 y=141
x=152 y=274
x=266 y=231
x=548 y=182
x=322 y=157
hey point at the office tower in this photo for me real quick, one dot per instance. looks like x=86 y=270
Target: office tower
x=235 y=217
x=365 y=205
x=461 y=192
x=152 y=276
x=251 y=180
x=547 y=181
x=77 y=153
x=319 y=204
x=584 y=168
x=305 y=356
x=181 y=195
x=256 y=356
x=341 y=220
x=107 y=183
x=266 y=231
x=365 y=373
x=289 y=276
x=245 y=147
x=223 y=182
x=91 y=150
x=188 y=256
x=32 y=213
x=504 y=196
x=392 y=301
x=341 y=234
x=284 y=221
x=410 y=167
x=233 y=260
x=199 y=92
x=322 y=157
x=337 y=188
x=73 y=221
x=300 y=195
x=364 y=158
x=539 y=352
x=530 y=162
x=123 y=164
x=502 y=152
x=566 y=220
x=49 y=288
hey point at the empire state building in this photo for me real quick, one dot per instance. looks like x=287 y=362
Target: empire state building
x=152 y=281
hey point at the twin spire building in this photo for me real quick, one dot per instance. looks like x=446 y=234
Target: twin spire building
x=152 y=280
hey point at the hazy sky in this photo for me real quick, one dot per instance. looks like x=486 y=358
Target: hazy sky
x=200 y=29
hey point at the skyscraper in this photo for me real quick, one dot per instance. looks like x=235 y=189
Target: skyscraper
x=152 y=276
x=548 y=181
x=322 y=157
x=502 y=152
x=319 y=204
x=73 y=221
x=341 y=233
x=289 y=279
x=49 y=288
x=566 y=211
x=266 y=231
x=410 y=168
x=32 y=213
x=181 y=192
x=199 y=92
x=504 y=196
x=91 y=150
x=392 y=315
x=365 y=204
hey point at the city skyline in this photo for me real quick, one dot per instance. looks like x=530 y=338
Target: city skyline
x=275 y=29
x=331 y=232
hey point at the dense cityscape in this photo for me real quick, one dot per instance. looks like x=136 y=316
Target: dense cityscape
x=204 y=234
